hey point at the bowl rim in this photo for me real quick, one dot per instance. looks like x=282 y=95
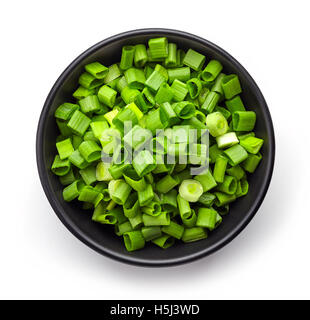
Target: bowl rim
x=60 y=212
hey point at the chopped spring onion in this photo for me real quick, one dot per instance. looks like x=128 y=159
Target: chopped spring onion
x=128 y=53
x=97 y=70
x=211 y=71
x=102 y=172
x=216 y=124
x=134 y=146
x=227 y=140
x=190 y=190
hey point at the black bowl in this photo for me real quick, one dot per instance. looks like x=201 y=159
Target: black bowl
x=102 y=238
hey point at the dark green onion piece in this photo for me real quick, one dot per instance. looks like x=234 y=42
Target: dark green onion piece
x=65 y=111
x=251 y=163
x=89 y=194
x=229 y=185
x=90 y=104
x=135 y=78
x=252 y=144
x=67 y=178
x=148 y=70
x=82 y=92
x=155 y=120
x=207 y=180
x=223 y=111
x=171 y=60
x=153 y=208
x=89 y=135
x=203 y=95
x=224 y=198
x=220 y=168
x=129 y=94
x=99 y=214
x=60 y=167
x=131 y=206
x=72 y=191
x=131 y=177
x=163 y=219
x=166 y=184
x=116 y=170
x=65 y=131
x=79 y=123
x=143 y=163
x=174 y=230
x=119 y=191
x=242 y=188
x=136 y=221
x=235 y=104
x=164 y=94
x=137 y=137
x=125 y=115
x=90 y=151
x=158 y=48
x=236 y=172
x=121 y=84
x=184 y=109
x=182 y=74
x=162 y=70
x=151 y=233
x=242 y=135
x=244 y=120
x=184 y=207
x=133 y=240
x=179 y=90
x=98 y=128
x=164 y=241
x=194 y=59
x=235 y=154
x=194 y=87
x=169 y=113
x=169 y=200
x=210 y=102
x=206 y=218
x=107 y=218
x=207 y=199
x=214 y=151
x=97 y=70
x=77 y=159
x=127 y=57
x=64 y=148
x=231 y=86
x=194 y=234
x=146 y=195
x=122 y=228
x=217 y=87
x=155 y=80
x=211 y=71
x=114 y=73
x=88 y=81
x=107 y=95
x=89 y=175
x=140 y=57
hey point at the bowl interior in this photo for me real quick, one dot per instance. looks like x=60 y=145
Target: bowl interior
x=102 y=237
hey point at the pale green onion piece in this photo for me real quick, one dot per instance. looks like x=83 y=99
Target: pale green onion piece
x=102 y=172
x=190 y=190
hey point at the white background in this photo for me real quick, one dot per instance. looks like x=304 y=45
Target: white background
x=39 y=258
